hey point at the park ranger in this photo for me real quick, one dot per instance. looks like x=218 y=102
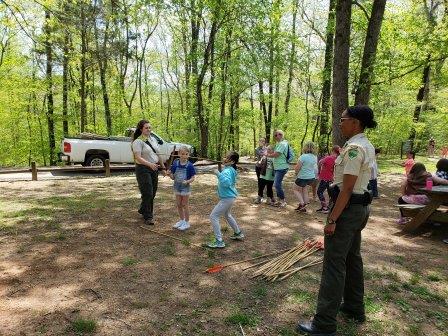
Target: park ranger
x=342 y=283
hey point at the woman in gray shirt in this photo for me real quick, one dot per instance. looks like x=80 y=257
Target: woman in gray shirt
x=147 y=163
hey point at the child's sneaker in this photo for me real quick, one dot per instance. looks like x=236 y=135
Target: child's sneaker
x=216 y=244
x=178 y=224
x=281 y=204
x=185 y=225
x=258 y=200
x=270 y=201
x=237 y=236
x=403 y=220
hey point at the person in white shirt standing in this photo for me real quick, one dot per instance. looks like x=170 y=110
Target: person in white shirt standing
x=147 y=165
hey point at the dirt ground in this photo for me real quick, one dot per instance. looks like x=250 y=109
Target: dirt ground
x=74 y=259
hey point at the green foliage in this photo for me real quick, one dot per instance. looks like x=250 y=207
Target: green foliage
x=84 y=326
x=243 y=319
x=157 y=76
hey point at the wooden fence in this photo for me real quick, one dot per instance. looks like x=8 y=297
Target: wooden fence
x=107 y=168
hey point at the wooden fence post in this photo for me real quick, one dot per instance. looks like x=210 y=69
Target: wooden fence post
x=107 y=166
x=33 y=171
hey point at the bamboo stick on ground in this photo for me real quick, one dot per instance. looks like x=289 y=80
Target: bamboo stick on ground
x=281 y=266
x=300 y=268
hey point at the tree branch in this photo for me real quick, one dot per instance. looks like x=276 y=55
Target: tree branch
x=363 y=9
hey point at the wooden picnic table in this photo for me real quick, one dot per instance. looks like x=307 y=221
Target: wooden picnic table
x=438 y=196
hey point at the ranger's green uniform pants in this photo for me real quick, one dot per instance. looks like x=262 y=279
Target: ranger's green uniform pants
x=342 y=274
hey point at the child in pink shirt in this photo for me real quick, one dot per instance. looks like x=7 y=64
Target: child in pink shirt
x=409 y=162
x=326 y=173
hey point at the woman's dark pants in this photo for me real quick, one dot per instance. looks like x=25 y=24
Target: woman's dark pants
x=147 y=180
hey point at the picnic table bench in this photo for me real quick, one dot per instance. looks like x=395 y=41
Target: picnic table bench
x=438 y=196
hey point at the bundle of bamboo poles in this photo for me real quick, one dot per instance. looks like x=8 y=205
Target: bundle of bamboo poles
x=282 y=267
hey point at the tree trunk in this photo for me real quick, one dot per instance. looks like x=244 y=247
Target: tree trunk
x=292 y=58
x=49 y=82
x=266 y=116
x=65 y=84
x=326 y=80
x=422 y=97
x=102 y=66
x=82 y=83
x=362 y=96
x=341 y=66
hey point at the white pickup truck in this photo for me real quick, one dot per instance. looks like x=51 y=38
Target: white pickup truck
x=93 y=150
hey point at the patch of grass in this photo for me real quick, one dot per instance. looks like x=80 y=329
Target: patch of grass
x=243 y=319
x=186 y=242
x=348 y=329
x=434 y=277
x=424 y=293
x=41 y=238
x=392 y=276
x=211 y=254
x=164 y=296
x=84 y=326
x=169 y=249
x=260 y=291
x=415 y=329
x=183 y=302
x=372 y=305
x=438 y=315
x=7 y=227
x=52 y=225
x=415 y=279
x=301 y=296
x=399 y=260
x=403 y=305
x=61 y=236
x=129 y=261
x=284 y=331
x=140 y=304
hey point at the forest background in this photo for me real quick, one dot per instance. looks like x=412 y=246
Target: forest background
x=220 y=74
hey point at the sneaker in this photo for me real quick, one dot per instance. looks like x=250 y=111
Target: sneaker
x=270 y=201
x=299 y=207
x=445 y=241
x=149 y=221
x=185 y=225
x=178 y=224
x=402 y=220
x=216 y=244
x=325 y=210
x=237 y=236
x=321 y=209
x=258 y=200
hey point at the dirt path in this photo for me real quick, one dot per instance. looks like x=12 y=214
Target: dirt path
x=74 y=258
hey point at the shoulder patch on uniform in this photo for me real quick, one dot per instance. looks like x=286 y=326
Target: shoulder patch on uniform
x=352 y=154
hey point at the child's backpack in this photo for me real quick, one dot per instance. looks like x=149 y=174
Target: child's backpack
x=290 y=155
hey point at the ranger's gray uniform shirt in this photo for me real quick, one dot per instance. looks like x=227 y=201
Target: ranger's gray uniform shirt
x=145 y=151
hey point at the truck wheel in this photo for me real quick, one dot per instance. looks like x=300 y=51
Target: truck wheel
x=95 y=161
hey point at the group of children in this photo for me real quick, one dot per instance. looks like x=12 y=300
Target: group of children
x=309 y=170
x=182 y=172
